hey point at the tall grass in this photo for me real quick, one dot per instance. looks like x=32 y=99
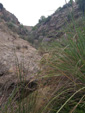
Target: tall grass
x=67 y=59
x=64 y=60
x=22 y=99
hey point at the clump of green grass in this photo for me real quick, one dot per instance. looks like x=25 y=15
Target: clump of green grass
x=67 y=59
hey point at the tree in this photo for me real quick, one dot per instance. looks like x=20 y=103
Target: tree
x=42 y=18
x=81 y=4
x=1 y=7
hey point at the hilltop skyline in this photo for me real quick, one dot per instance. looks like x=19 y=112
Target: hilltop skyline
x=29 y=11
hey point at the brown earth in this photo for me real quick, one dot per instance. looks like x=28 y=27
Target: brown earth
x=17 y=58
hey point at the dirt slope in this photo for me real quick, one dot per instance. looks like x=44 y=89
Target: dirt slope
x=15 y=54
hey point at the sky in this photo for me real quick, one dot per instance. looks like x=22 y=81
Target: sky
x=29 y=12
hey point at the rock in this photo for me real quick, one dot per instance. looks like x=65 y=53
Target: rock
x=46 y=39
x=3 y=69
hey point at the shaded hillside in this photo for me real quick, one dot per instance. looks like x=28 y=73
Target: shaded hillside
x=53 y=27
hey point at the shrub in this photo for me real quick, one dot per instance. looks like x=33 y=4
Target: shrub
x=5 y=18
x=42 y=18
x=1 y=6
x=10 y=25
x=81 y=4
x=67 y=59
x=47 y=19
x=34 y=27
x=59 y=9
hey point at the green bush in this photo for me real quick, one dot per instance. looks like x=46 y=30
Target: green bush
x=1 y=7
x=10 y=25
x=42 y=18
x=47 y=19
x=67 y=59
x=81 y=4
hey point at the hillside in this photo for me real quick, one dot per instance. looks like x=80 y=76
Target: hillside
x=16 y=55
x=12 y=23
x=53 y=27
x=51 y=78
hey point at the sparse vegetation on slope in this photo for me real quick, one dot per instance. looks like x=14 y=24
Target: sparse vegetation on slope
x=59 y=86
x=61 y=80
x=81 y=4
x=67 y=59
x=50 y=28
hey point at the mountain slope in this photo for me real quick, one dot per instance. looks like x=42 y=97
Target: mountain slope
x=12 y=23
x=18 y=59
x=54 y=26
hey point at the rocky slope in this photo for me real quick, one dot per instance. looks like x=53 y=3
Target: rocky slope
x=13 y=24
x=52 y=27
x=17 y=58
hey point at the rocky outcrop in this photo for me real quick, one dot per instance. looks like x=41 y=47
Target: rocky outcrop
x=52 y=27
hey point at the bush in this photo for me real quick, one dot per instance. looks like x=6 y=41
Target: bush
x=81 y=4
x=42 y=18
x=67 y=60
x=1 y=6
x=10 y=25
x=5 y=18
x=47 y=19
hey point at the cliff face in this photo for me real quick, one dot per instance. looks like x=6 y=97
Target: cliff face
x=52 y=27
x=13 y=48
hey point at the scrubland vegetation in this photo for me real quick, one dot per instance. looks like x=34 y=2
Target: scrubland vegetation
x=61 y=81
